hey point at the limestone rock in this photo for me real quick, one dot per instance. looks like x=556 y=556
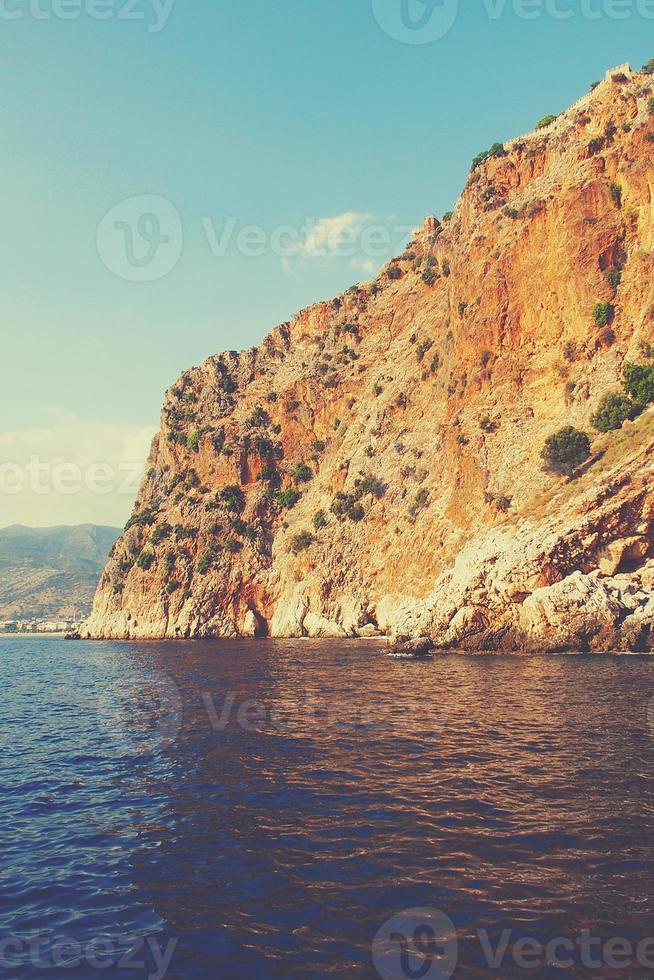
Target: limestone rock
x=375 y=464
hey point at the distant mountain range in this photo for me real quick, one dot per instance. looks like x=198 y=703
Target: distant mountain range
x=51 y=572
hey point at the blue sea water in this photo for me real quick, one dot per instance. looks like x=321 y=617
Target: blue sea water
x=264 y=809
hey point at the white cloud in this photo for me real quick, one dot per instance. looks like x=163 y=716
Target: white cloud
x=71 y=472
x=327 y=240
x=364 y=265
x=335 y=236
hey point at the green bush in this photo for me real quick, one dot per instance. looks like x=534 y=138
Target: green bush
x=648 y=68
x=232 y=546
x=496 y=150
x=346 y=505
x=603 y=314
x=268 y=474
x=546 y=121
x=614 y=278
x=301 y=542
x=650 y=106
x=233 y=498
x=206 y=562
x=264 y=448
x=565 y=450
x=173 y=586
x=259 y=417
x=429 y=276
x=302 y=473
x=160 y=532
x=639 y=382
x=614 y=409
x=227 y=385
x=193 y=442
x=369 y=484
x=287 y=499
x=616 y=194
x=319 y=520
x=145 y=560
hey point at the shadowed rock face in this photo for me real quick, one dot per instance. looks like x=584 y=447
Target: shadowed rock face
x=419 y=405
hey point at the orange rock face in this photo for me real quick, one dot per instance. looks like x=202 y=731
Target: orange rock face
x=375 y=465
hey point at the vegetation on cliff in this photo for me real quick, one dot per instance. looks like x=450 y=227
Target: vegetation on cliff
x=430 y=452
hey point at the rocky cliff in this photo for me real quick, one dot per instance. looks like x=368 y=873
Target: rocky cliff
x=374 y=467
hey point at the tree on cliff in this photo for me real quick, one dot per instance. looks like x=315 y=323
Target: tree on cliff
x=566 y=450
x=614 y=409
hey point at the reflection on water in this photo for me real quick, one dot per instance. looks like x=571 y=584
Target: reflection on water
x=266 y=807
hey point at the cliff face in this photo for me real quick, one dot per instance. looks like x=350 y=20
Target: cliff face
x=375 y=465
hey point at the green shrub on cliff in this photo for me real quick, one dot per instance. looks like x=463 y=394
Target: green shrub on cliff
x=287 y=499
x=639 y=382
x=145 y=560
x=302 y=473
x=616 y=194
x=613 y=410
x=603 y=314
x=233 y=498
x=565 y=450
x=546 y=121
x=258 y=418
x=300 y=542
x=206 y=562
x=496 y=150
x=319 y=520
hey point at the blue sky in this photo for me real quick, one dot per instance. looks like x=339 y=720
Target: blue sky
x=265 y=114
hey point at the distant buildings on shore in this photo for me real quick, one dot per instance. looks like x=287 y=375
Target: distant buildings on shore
x=38 y=626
